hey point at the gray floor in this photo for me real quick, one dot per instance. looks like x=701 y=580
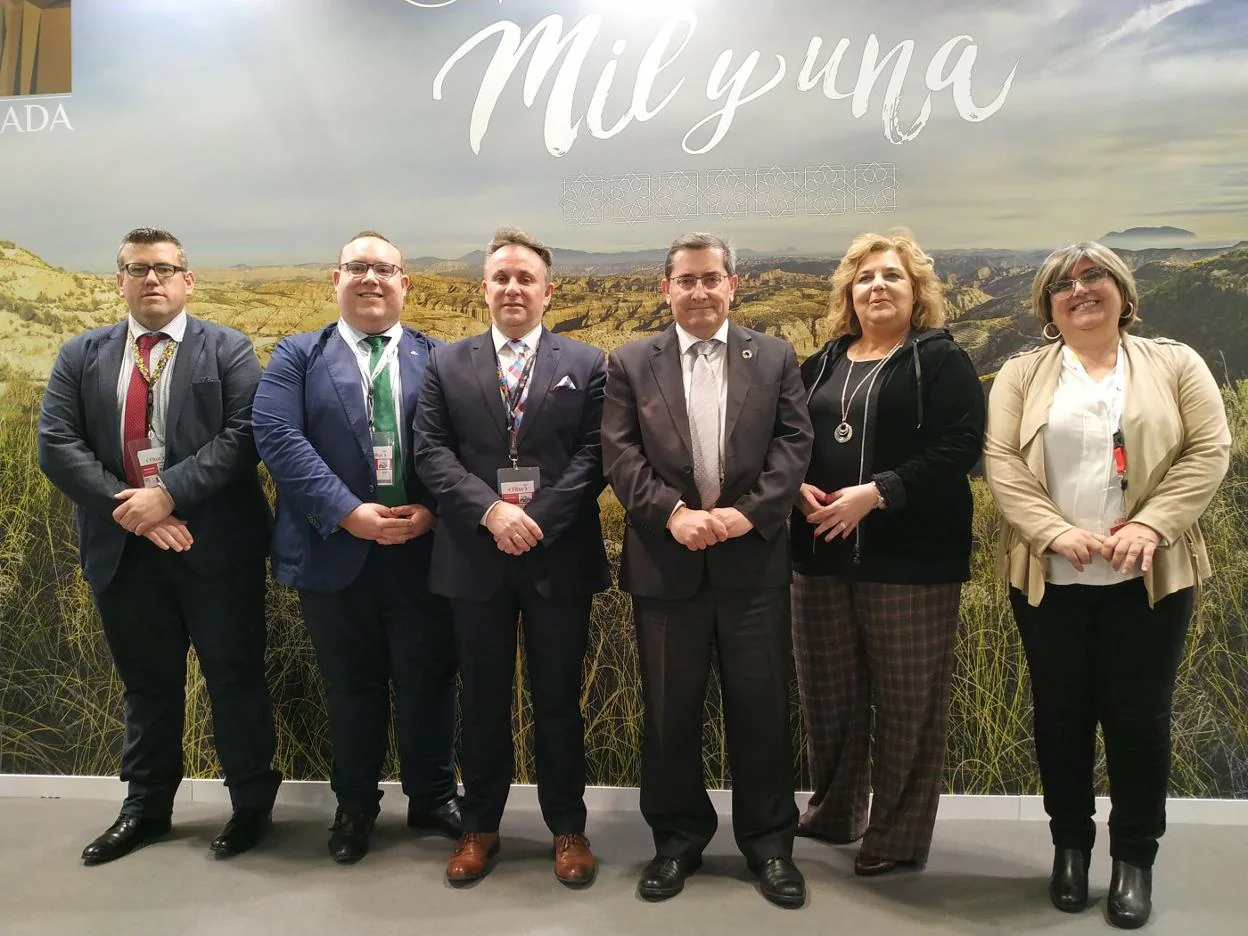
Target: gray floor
x=984 y=878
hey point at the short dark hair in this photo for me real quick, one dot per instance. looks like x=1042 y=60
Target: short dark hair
x=379 y=236
x=700 y=241
x=147 y=235
x=514 y=236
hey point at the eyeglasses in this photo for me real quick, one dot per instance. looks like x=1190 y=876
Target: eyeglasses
x=709 y=280
x=359 y=268
x=163 y=270
x=1064 y=287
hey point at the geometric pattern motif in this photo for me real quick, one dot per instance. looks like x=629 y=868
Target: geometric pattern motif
x=728 y=194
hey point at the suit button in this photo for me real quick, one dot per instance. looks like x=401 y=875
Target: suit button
x=687 y=469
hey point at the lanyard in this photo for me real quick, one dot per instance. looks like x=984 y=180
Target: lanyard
x=371 y=374
x=150 y=377
x=511 y=403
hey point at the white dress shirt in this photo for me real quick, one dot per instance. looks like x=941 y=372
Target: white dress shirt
x=175 y=330
x=1079 y=463
x=718 y=359
x=357 y=341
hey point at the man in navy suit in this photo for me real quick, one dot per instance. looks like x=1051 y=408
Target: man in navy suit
x=354 y=535
x=146 y=426
x=507 y=442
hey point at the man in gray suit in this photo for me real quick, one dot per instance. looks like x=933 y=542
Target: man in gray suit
x=146 y=427
x=705 y=439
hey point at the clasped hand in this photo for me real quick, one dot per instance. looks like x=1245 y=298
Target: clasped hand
x=1131 y=543
x=699 y=529
x=515 y=532
x=389 y=526
x=147 y=512
x=837 y=513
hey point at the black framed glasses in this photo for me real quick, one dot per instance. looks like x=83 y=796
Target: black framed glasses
x=688 y=282
x=163 y=270
x=358 y=269
x=1063 y=287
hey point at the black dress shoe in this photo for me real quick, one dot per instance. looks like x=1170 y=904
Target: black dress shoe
x=781 y=882
x=348 y=842
x=245 y=828
x=447 y=819
x=1130 y=898
x=1068 y=885
x=124 y=836
x=665 y=877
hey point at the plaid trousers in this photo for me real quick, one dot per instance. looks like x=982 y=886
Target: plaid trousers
x=865 y=649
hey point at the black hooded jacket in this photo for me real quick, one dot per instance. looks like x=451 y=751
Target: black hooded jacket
x=924 y=436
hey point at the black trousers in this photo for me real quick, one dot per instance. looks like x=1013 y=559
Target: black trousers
x=1100 y=654
x=556 y=631
x=750 y=630
x=153 y=610
x=383 y=627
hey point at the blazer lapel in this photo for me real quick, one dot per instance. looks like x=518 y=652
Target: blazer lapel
x=413 y=359
x=1038 y=400
x=111 y=354
x=740 y=364
x=485 y=363
x=544 y=370
x=185 y=366
x=665 y=362
x=344 y=373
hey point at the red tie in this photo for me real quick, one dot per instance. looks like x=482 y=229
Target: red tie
x=134 y=421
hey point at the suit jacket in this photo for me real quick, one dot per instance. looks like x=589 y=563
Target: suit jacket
x=461 y=442
x=312 y=432
x=1178 y=450
x=210 y=455
x=647 y=455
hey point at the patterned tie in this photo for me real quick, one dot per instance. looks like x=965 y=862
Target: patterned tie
x=515 y=370
x=386 y=420
x=704 y=423
x=134 y=417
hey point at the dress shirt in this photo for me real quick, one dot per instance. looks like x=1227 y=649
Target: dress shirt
x=1079 y=463
x=357 y=341
x=175 y=329
x=506 y=357
x=717 y=359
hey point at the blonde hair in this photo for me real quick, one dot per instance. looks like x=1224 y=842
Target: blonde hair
x=1060 y=262
x=929 y=300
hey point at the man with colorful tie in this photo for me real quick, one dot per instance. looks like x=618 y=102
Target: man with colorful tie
x=146 y=427
x=507 y=441
x=354 y=536
x=705 y=439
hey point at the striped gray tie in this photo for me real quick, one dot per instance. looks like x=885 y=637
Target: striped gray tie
x=704 y=423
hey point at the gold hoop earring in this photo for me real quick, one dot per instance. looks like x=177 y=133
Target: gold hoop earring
x=1125 y=318
x=1045 y=331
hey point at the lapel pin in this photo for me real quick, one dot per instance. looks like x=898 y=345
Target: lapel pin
x=746 y=353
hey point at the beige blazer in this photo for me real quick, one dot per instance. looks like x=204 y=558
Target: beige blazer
x=1178 y=448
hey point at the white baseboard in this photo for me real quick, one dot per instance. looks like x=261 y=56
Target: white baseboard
x=316 y=793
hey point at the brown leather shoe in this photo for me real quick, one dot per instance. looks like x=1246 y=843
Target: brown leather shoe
x=575 y=864
x=870 y=866
x=471 y=858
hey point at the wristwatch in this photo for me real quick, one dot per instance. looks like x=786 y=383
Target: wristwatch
x=880 y=502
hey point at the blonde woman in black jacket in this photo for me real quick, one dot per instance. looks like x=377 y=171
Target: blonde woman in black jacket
x=881 y=545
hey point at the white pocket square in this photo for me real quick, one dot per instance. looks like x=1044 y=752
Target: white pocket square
x=566 y=383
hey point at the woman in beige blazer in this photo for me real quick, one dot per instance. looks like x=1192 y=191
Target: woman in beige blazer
x=1102 y=451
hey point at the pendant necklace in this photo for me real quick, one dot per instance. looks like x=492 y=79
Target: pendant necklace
x=844 y=431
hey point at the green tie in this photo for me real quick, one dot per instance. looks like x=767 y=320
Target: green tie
x=385 y=420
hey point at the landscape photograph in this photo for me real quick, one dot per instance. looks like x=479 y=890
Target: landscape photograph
x=277 y=129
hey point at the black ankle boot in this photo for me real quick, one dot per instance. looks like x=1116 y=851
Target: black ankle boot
x=1130 y=895
x=1068 y=886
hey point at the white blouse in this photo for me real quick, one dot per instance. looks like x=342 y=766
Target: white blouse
x=1079 y=463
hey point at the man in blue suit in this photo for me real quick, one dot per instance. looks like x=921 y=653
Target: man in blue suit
x=354 y=536
x=507 y=442
x=146 y=427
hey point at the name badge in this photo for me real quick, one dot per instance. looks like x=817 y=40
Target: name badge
x=383 y=458
x=148 y=457
x=518 y=485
